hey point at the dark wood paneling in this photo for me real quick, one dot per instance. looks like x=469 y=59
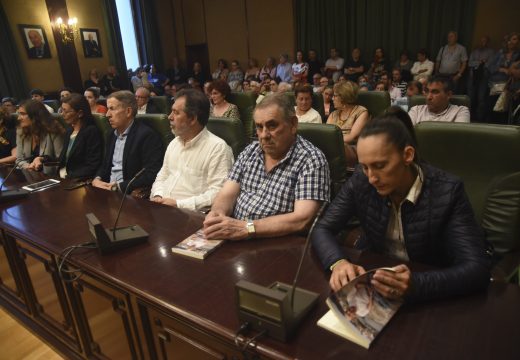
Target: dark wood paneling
x=67 y=54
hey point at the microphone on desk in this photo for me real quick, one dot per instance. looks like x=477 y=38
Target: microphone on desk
x=8 y=195
x=279 y=308
x=111 y=240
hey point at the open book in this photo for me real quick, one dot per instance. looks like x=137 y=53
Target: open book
x=358 y=312
x=196 y=245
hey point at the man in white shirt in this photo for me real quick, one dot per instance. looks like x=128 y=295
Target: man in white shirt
x=37 y=94
x=196 y=163
x=334 y=65
x=304 y=112
x=423 y=67
x=438 y=107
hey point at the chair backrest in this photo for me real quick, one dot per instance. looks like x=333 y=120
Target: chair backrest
x=376 y=102
x=478 y=153
x=161 y=124
x=231 y=131
x=104 y=127
x=55 y=104
x=162 y=103
x=329 y=139
x=461 y=100
x=245 y=101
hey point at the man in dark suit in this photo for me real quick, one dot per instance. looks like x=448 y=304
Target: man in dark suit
x=144 y=106
x=130 y=147
x=91 y=47
x=39 y=49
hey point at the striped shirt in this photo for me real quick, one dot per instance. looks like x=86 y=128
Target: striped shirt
x=303 y=174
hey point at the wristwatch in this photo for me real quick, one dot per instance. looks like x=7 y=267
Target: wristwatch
x=250 y=226
x=114 y=187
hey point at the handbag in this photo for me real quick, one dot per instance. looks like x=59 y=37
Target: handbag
x=501 y=104
x=497 y=88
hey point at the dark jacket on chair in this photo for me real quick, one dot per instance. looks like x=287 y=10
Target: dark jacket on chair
x=439 y=230
x=143 y=149
x=86 y=152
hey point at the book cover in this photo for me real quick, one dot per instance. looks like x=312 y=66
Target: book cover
x=358 y=312
x=196 y=245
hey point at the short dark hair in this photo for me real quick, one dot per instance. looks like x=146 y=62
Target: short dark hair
x=36 y=92
x=397 y=128
x=402 y=115
x=417 y=84
x=127 y=98
x=221 y=86
x=9 y=99
x=446 y=82
x=303 y=89
x=423 y=52
x=196 y=104
x=66 y=88
x=79 y=103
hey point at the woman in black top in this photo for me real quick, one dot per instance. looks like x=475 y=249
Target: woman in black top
x=7 y=139
x=82 y=147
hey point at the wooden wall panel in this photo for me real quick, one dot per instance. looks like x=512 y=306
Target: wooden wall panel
x=193 y=16
x=495 y=19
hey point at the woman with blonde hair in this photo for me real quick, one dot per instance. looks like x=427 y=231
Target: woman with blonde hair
x=348 y=116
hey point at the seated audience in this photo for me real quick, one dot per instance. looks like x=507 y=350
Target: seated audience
x=131 y=147
x=414 y=88
x=220 y=107
x=253 y=70
x=254 y=201
x=398 y=82
x=39 y=138
x=197 y=74
x=438 y=107
x=93 y=80
x=9 y=105
x=378 y=66
x=246 y=85
x=7 y=139
x=38 y=95
x=303 y=109
x=92 y=96
x=196 y=163
x=324 y=83
x=328 y=104
x=348 y=116
x=64 y=92
x=83 y=144
x=316 y=82
x=144 y=105
x=300 y=69
x=395 y=93
x=404 y=65
x=140 y=79
x=268 y=70
x=157 y=79
x=284 y=87
x=410 y=211
x=423 y=67
x=315 y=65
x=222 y=71
x=381 y=86
x=111 y=81
x=175 y=72
x=354 y=66
x=334 y=65
x=235 y=76
x=284 y=69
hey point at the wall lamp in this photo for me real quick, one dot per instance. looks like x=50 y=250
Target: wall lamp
x=69 y=30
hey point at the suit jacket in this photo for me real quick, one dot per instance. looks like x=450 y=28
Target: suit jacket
x=85 y=154
x=50 y=148
x=45 y=53
x=143 y=149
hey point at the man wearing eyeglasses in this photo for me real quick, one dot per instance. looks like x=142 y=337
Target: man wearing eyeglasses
x=277 y=183
x=144 y=106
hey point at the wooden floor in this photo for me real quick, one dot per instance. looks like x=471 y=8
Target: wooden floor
x=16 y=342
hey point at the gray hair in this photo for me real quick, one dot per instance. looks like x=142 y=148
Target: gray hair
x=281 y=101
x=127 y=98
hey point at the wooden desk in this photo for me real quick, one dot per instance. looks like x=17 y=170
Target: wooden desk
x=145 y=302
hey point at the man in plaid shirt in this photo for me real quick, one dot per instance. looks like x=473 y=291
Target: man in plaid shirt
x=277 y=184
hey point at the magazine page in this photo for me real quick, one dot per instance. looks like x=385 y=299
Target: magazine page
x=196 y=245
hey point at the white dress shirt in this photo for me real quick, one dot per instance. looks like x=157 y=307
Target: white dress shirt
x=418 y=66
x=142 y=109
x=194 y=172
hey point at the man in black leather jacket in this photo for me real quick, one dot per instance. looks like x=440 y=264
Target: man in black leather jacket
x=410 y=211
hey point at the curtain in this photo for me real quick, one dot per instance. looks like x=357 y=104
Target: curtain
x=12 y=76
x=148 y=33
x=116 y=52
x=393 y=25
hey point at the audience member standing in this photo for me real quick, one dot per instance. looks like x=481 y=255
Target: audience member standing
x=477 y=81
x=300 y=69
x=452 y=60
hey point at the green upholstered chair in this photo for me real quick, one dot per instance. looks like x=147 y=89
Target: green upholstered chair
x=161 y=124
x=162 y=103
x=246 y=102
x=376 y=102
x=54 y=104
x=329 y=139
x=231 y=131
x=104 y=126
x=487 y=158
x=461 y=100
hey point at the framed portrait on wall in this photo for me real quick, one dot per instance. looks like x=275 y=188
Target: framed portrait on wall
x=90 y=41
x=35 y=41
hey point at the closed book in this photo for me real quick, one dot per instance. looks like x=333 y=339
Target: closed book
x=358 y=312
x=196 y=246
